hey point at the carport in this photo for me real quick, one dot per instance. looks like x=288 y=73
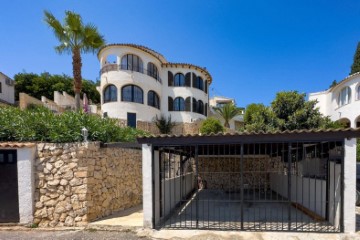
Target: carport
x=280 y=181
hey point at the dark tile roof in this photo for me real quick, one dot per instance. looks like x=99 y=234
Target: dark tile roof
x=312 y=134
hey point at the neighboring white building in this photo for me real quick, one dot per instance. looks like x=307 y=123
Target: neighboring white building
x=217 y=101
x=341 y=102
x=7 y=89
x=138 y=84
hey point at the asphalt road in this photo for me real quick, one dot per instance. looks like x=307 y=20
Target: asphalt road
x=68 y=235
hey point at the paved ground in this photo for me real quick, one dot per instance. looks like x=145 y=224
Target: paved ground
x=68 y=235
x=96 y=232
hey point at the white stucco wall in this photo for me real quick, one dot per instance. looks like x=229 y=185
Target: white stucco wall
x=349 y=185
x=7 y=93
x=120 y=78
x=328 y=101
x=25 y=161
x=147 y=185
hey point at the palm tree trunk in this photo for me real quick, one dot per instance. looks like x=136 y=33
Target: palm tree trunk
x=226 y=124
x=77 y=76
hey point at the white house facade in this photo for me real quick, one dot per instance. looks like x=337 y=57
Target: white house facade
x=218 y=101
x=341 y=102
x=7 y=89
x=138 y=84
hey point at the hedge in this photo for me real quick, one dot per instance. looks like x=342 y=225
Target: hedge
x=41 y=124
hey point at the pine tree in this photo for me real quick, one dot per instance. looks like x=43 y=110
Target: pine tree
x=355 y=67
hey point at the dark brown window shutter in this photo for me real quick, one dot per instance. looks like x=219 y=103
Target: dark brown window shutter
x=188 y=80
x=170 y=104
x=188 y=104
x=206 y=109
x=194 y=105
x=206 y=86
x=194 y=80
x=170 y=79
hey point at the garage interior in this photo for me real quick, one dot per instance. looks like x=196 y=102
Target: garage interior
x=253 y=185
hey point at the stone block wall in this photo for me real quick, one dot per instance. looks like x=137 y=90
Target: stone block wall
x=79 y=182
x=224 y=172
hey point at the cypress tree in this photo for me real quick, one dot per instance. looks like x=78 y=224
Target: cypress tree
x=355 y=67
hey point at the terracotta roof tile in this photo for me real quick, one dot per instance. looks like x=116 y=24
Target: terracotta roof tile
x=354 y=132
x=16 y=144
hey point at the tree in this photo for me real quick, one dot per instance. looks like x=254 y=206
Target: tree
x=75 y=38
x=211 y=125
x=164 y=125
x=292 y=108
x=288 y=111
x=258 y=117
x=333 y=84
x=228 y=112
x=355 y=67
x=45 y=84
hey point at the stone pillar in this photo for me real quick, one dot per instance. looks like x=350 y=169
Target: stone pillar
x=26 y=187
x=349 y=185
x=147 y=185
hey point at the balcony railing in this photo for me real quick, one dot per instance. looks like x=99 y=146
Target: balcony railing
x=116 y=67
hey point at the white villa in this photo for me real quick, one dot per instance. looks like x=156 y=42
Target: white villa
x=7 y=89
x=137 y=84
x=341 y=102
x=218 y=101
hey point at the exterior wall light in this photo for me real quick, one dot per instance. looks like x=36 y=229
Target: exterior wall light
x=85 y=134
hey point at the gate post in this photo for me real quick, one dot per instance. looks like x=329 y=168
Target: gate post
x=289 y=186
x=147 y=172
x=197 y=180
x=349 y=183
x=242 y=186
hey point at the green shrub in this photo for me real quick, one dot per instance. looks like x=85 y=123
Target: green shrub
x=358 y=150
x=211 y=125
x=41 y=124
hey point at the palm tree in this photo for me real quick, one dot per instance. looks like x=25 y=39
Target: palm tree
x=75 y=38
x=228 y=112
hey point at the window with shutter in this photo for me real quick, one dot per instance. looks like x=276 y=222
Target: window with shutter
x=205 y=86
x=188 y=104
x=194 y=105
x=206 y=109
x=194 y=80
x=170 y=104
x=170 y=79
x=188 y=80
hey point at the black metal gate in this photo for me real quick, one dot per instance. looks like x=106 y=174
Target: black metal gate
x=273 y=186
x=9 y=199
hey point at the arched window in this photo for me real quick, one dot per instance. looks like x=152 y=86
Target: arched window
x=358 y=92
x=152 y=70
x=132 y=62
x=179 y=80
x=344 y=96
x=132 y=93
x=200 y=107
x=179 y=104
x=153 y=99
x=198 y=83
x=110 y=94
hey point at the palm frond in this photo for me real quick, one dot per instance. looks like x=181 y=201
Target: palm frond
x=92 y=39
x=73 y=23
x=56 y=26
x=63 y=48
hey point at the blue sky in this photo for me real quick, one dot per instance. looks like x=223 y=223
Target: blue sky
x=253 y=49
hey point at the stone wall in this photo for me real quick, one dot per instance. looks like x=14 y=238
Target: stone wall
x=224 y=172
x=179 y=129
x=79 y=182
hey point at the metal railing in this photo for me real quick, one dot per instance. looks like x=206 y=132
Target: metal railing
x=117 y=67
x=267 y=186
